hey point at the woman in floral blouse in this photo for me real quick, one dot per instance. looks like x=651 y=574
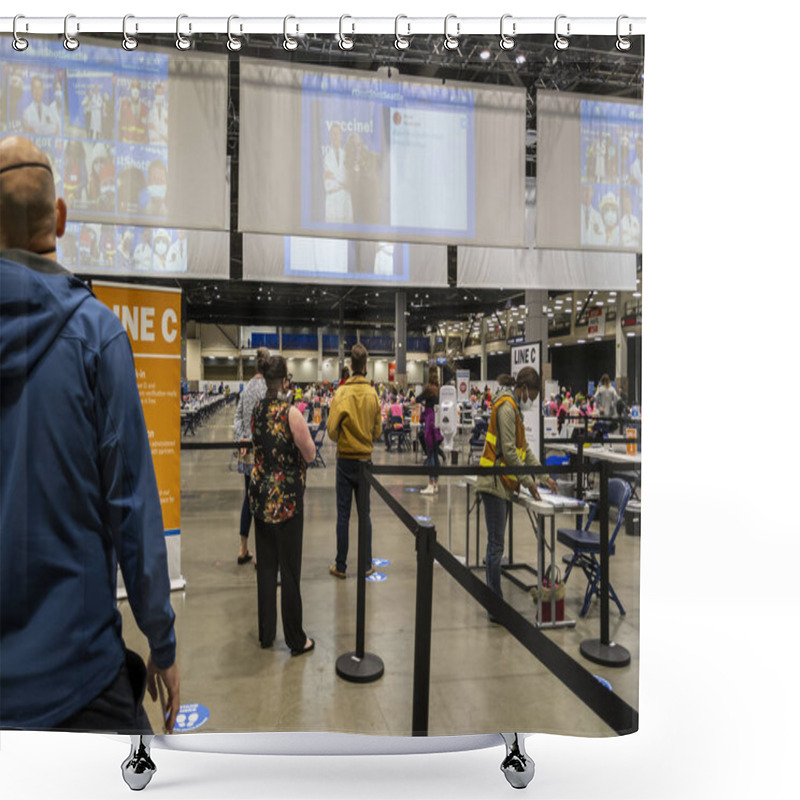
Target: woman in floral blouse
x=283 y=447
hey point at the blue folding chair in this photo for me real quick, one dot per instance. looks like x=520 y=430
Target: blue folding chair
x=585 y=544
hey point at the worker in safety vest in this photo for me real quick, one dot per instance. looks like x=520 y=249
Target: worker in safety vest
x=506 y=445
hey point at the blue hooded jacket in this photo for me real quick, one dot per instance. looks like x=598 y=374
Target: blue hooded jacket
x=78 y=495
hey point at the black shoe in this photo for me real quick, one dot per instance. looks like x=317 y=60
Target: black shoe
x=304 y=650
x=265 y=645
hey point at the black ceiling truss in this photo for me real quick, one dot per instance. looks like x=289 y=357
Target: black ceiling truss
x=590 y=65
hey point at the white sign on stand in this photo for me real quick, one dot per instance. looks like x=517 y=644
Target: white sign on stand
x=528 y=354
x=462 y=385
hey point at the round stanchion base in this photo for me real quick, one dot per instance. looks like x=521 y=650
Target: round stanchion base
x=609 y=655
x=359 y=670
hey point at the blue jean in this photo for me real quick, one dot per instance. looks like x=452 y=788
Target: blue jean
x=495 y=510
x=432 y=459
x=346 y=484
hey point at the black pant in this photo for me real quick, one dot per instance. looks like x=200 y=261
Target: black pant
x=280 y=545
x=118 y=708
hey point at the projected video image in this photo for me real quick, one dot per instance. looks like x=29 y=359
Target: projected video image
x=340 y=258
x=101 y=116
x=384 y=157
x=92 y=247
x=611 y=174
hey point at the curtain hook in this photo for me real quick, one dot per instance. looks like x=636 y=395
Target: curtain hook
x=561 y=42
x=507 y=42
x=19 y=44
x=70 y=42
x=181 y=42
x=288 y=42
x=623 y=43
x=401 y=42
x=128 y=42
x=345 y=42
x=234 y=44
x=450 y=41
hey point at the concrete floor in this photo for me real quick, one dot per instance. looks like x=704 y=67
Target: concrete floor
x=482 y=679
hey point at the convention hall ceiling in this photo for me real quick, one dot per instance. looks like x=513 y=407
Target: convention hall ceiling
x=590 y=65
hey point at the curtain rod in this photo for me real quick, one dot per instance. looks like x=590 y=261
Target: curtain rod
x=450 y=27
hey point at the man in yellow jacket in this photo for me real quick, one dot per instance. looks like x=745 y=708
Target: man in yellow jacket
x=354 y=423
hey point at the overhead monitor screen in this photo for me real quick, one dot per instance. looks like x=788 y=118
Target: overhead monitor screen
x=362 y=138
x=356 y=155
x=124 y=131
x=343 y=258
x=589 y=172
x=309 y=259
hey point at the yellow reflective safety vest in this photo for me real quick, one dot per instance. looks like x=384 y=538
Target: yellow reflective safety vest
x=489 y=457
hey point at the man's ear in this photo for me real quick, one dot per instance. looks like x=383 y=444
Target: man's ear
x=61 y=217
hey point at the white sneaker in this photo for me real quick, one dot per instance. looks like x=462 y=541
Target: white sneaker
x=429 y=490
x=436 y=488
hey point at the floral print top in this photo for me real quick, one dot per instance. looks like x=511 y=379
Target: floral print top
x=278 y=479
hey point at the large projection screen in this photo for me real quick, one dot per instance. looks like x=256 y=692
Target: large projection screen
x=306 y=259
x=135 y=138
x=589 y=172
x=356 y=155
x=535 y=268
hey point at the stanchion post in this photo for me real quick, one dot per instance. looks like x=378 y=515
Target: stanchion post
x=362 y=504
x=604 y=635
x=603 y=650
x=359 y=666
x=426 y=538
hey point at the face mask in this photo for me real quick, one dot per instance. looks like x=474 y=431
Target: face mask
x=610 y=218
x=157 y=190
x=526 y=404
x=161 y=248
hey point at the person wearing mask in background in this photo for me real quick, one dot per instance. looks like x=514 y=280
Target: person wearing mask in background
x=156 y=204
x=283 y=448
x=506 y=445
x=606 y=398
x=161 y=244
x=354 y=423
x=429 y=399
x=78 y=486
x=157 y=121
x=143 y=252
x=345 y=377
x=133 y=114
x=254 y=391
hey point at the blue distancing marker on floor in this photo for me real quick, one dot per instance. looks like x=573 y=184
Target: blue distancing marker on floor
x=190 y=717
x=422 y=518
x=603 y=682
x=376 y=577
x=412 y=488
x=380 y=562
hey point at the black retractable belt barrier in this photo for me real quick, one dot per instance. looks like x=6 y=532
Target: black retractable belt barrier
x=614 y=711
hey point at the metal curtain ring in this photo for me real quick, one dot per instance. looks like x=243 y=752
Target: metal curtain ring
x=561 y=42
x=19 y=44
x=234 y=44
x=400 y=42
x=181 y=42
x=70 y=42
x=345 y=42
x=128 y=42
x=623 y=43
x=288 y=42
x=451 y=42
x=507 y=42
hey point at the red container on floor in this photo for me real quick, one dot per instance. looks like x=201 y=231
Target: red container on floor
x=546 y=617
